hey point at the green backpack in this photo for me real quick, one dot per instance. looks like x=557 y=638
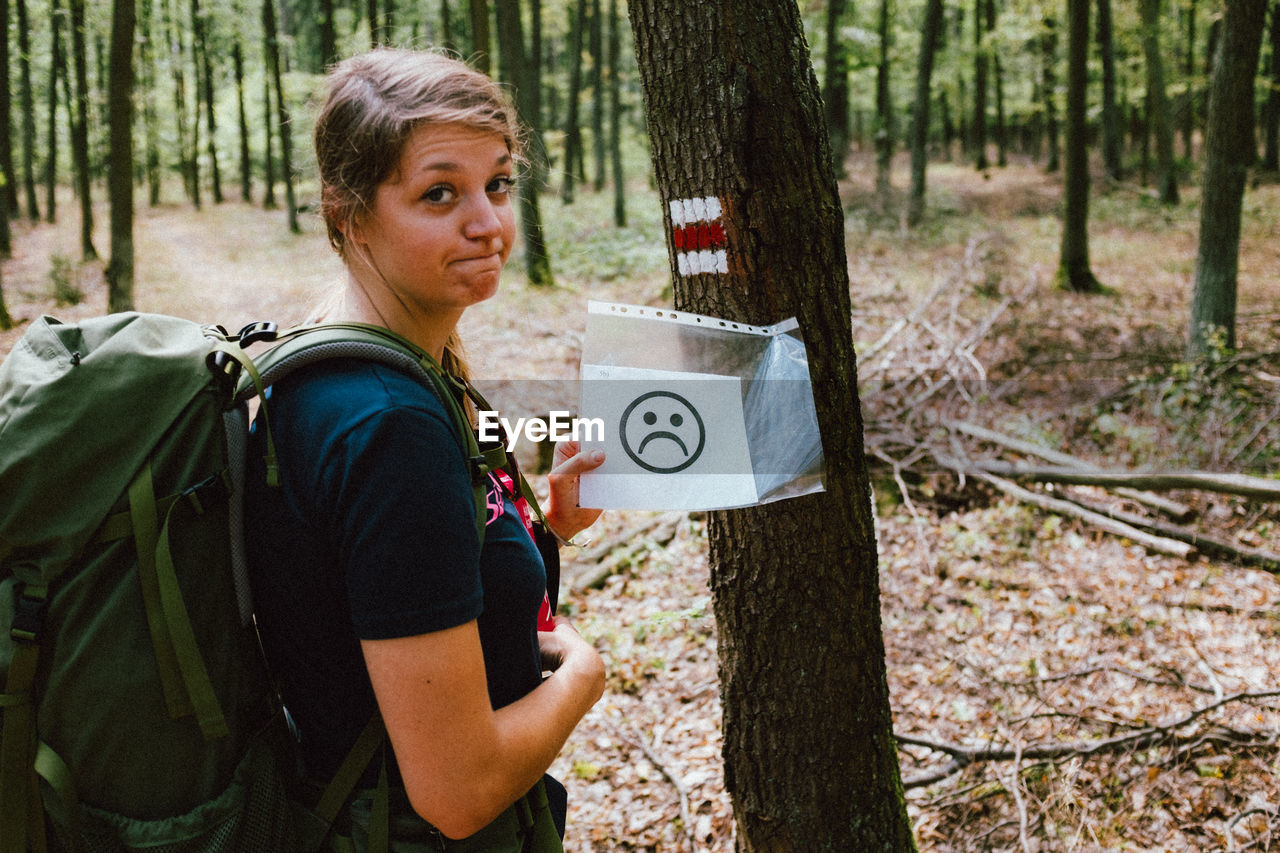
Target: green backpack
x=136 y=711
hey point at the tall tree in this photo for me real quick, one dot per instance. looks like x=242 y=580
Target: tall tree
x=27 y=102
x=6 y=322
x=1073 y=265
x=8 y=177
x=1049 y=78
x=835 y=86
x=997 y=72
x=615 y=118
x=886 y=129
x=246 y=162
x=1158 y=103
x=1189 y=90
x=80 y=130
x=572 y=121
x=1110 y=118
x=930 y=31
x=795 y=586
x=177 y=66
x=1230 y=150
x=57 y=73
x=120 y=177
x=283 y=121
x=481 y=37
x=981 y=60
x=268 y=155
x=520 y=69
x=597 y=93
x=328 y=35
x=146 y=76
x=1271 y=126
x=204 y=74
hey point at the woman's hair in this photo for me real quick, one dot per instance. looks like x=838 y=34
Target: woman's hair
x=375 y=102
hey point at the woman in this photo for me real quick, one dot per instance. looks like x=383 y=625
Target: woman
x=371 y=586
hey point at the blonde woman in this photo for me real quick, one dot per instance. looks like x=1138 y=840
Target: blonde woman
x=372 y=589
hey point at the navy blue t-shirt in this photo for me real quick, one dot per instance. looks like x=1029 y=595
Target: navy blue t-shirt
x=372 y=535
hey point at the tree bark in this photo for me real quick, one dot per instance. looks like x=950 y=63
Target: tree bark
x=282 y=112
x=572 y=122
x=268 y=153
x=1111 y=133
x=520 y=70
x=835 y=87
x=482 y=38
x=1271 y=127
x=80 y=130
x=8 y=176
x=1073 y=266
x=597 y=94
x=1189 y=75
x=1229 y=152
x=810 y=760
x=246 y=163
x=886 y=130
x=929 y=33
x=28 y=113
x=980 y=64
x=120 y=179
x=615 y=118
x=1048 y=73
x=1158 y=102
x=57 y=70
x=200 y=45
x=146 y=76
x=328 y=35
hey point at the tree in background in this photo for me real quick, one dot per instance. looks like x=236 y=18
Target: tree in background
x=929 y=33
x=981 y=62
x=1049 y=87
x=1230 y=150
x=572 y=122
x=272 y=41
x=1112 y=136
x=1271 y=125
x=1073 y=265
x=28 y=113
x=520 y=69
x=80 y=130
x=886 y=129
x=810 y=759
x=120 y=176
x=1158 y=103
x=835 y=87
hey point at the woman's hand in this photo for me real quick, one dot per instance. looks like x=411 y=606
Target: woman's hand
x=566 y=518
x=564 y=650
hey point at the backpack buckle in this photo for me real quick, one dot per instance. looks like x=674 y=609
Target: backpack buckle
x=262 y=331
x=28 y=615
x=225 y=369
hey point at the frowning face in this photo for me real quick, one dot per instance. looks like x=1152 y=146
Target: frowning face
x=662 y=432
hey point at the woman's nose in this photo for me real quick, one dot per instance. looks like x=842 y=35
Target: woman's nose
x=482 y=220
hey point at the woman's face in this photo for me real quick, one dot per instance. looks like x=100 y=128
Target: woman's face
x=442 y=225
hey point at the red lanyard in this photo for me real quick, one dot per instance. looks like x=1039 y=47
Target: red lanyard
x=545 y=620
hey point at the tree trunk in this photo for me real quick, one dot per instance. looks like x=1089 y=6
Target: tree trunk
x=246 y=162
x=597 y=94
x=1188 y=112
x=929 y=33
x=200 y=50
x=146 y=77
x=1271 y=127
x=572 y=123
x=1161 y=124
x=482 y=39
x=885 y=129
x=28 y=114
x=80 y=130
x=268 y=153
x=6 y=322
x=997 y=70
x=1073 y=266
x=8 y=176
x=186 y=150
x=57 y=73
x=1111 y=134
x=1048 y=73
x=615 y=118
x=1229 y=152
x=980 y=62
x=835 y=87
x=810 y=760
x=282 y=112
x=520 y=70
x=120 y=178
x=375 y=26
x=328 y=35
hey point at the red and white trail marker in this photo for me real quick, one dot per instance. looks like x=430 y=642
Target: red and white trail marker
x=697 y=228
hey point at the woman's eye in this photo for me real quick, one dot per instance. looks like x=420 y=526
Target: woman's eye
x=501 y=185
x=438 y=194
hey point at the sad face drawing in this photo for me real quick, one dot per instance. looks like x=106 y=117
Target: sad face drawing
x=662 y=432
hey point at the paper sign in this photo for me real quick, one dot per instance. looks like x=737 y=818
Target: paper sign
x=672 y=440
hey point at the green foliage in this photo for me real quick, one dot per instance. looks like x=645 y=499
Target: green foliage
x=1217 y=413
x=64 y=281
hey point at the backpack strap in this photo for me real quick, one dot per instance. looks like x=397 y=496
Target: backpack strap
x=21 y=818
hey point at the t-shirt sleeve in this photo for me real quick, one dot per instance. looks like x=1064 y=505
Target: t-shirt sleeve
x=405 y=516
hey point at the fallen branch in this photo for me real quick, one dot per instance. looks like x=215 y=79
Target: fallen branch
x=1177 y=511
x=1241 y=485
x=1143 y=738
x=635 y=739
x=1210 y=546
x=1156 y=544
x=608 y=556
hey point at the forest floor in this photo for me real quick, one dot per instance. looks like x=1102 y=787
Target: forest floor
x=1006 y=628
